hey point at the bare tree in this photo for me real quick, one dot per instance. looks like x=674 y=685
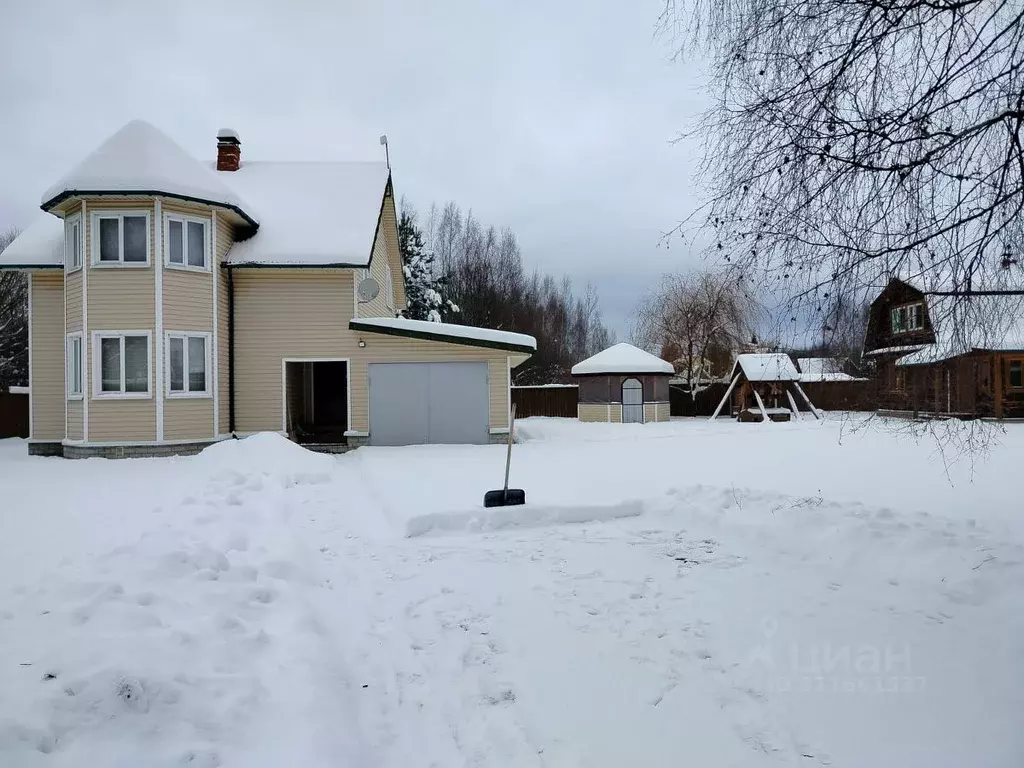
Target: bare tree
x=13 y=322
x=483 y=269
x=852 y=138
x=698 y=320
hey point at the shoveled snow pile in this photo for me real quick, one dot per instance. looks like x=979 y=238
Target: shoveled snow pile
x=670 y=592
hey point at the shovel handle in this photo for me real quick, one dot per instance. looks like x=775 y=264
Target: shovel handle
x=508 y=457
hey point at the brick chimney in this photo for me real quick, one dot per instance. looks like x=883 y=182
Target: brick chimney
x=229 y=150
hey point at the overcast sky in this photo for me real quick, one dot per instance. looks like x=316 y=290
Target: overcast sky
x=554 y=119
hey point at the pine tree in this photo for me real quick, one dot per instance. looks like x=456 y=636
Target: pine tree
x=424 y=290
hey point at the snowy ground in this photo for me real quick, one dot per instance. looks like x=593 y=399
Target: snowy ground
x=683 y=593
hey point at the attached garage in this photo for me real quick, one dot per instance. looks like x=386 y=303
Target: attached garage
x=423 y=382
x=414 y=403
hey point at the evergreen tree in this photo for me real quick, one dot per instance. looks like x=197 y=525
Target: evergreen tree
x=425 y=290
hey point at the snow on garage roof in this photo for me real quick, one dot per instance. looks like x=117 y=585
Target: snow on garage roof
x=140 y=159
x=453 y=334
x=315 y=213
x=622 y=358
x=40 y=245
x=767 y=367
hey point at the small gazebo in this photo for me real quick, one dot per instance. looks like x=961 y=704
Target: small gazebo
x=766 y=383
x=623 y=384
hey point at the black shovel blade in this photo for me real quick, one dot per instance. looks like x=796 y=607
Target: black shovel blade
x=505 y=498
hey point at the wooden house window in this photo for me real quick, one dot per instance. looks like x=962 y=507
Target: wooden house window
x=901 y=380
x=1015 y=374
x=909 y=317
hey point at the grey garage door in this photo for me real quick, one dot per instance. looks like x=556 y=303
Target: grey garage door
x=413 y=403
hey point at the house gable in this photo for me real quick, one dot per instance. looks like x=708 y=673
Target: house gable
x=880 y=331
x=385 y=265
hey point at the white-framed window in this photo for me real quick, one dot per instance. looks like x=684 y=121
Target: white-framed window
x=187 y=242
x=120 y=238
x=73 y=242
x=188 y=365
x=74 y=366
x=121 y=366
x=909 y=317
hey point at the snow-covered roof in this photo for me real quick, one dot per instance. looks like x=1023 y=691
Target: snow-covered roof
x=774 y=366
x=40 y=245
x=141 y=159
x=622 y=358
x=893 y=350
x=456 y=334
x=962 y=324
x=315 y=213
x=820 y=364
x=835 y=376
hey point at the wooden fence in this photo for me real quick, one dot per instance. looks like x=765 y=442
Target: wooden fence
x=13 y=414
x=547 y=400
x=858 y=395
x=681 y=404
x=561 y=399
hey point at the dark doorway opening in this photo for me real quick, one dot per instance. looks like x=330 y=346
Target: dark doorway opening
x=316 y=397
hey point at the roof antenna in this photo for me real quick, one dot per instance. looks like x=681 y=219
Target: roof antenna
x=384 y=143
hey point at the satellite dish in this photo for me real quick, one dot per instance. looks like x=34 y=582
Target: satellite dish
x=368 y=289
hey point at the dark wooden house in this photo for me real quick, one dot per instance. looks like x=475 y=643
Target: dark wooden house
x=942 y=355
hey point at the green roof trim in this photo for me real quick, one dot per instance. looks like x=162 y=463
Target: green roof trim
x=355 y=325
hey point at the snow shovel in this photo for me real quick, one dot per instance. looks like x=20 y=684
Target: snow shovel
x=507 y=497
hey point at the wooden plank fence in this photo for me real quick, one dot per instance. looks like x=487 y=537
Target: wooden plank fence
x=546 y=400
x=561 y=399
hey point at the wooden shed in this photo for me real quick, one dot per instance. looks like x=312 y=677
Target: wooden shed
x=623 y=384
x=765 y=387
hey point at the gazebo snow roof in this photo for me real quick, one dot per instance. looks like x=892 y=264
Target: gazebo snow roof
x=622 y=358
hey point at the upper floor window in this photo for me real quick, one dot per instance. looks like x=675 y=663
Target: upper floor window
x=120 y=238
x=909 y=317
x=188 y=242
x=73 y=243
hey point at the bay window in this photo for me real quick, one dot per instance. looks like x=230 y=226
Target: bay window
x=188 y=364
x=73 y=243
x=121 y=238
x=74 y=366
x=187 y=242
x=121 y=364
